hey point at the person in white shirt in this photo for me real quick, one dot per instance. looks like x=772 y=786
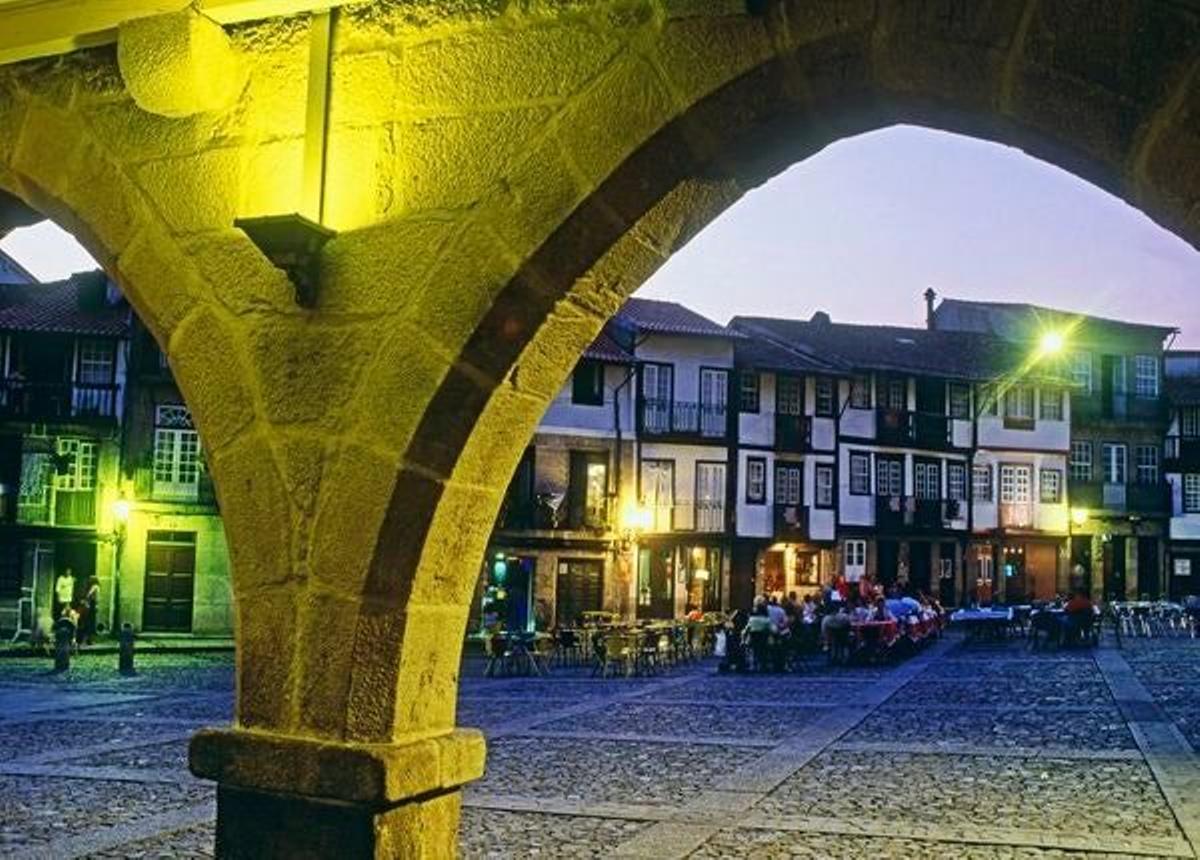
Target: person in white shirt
x=64 y=591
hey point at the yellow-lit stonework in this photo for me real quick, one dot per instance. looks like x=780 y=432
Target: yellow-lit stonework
x=501 y=176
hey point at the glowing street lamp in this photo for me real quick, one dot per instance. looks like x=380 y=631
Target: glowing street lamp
x=1079 y=516
x=1051 y=343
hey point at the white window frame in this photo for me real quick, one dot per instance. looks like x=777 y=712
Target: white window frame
x=1018 y=403
x=81 y=476
x=97 y=362
x=927 y=480
x=1016 y=484
x=1191 y=493
x=749 y=391
x=956 y=482
x=1050 y=406
x=860 y=391
x=756 y=480
x=789 y=484
x=824 y=396
x=1189 y=421
x=1146 y=464
x=1081 y=370
x=177 y=459
x=886 y=480
x=823 y=485
x=860 y=473
x=789 y=395
x=1114 y=462
x=854 y=558
x=1050 y=486
x=1082 y=468
x=981 y=479
x=1145 y=376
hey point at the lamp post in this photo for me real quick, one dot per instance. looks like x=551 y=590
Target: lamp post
x=635 y=519
x=121 y=509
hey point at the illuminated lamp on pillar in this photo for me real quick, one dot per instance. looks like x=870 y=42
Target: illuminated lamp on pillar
x=293 y=241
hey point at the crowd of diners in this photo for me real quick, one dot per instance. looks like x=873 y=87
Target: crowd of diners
x=846 y=621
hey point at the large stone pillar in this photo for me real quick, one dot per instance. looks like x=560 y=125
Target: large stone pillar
x=288 y=797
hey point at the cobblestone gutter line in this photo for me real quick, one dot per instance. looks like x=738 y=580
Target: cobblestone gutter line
x=1174 y=763
x=65 y=754
x=701 y=818
x=103 y=839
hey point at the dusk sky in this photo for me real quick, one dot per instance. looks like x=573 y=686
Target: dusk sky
x=861 y=229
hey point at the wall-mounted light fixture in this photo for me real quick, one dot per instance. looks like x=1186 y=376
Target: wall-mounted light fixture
x=293 y=243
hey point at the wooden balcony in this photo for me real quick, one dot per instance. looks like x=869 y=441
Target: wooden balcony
x=910 y=514
x=53 y=401
x=913 y=429
x=1149 y=499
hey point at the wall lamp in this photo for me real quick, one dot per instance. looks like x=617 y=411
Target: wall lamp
x=292 y=243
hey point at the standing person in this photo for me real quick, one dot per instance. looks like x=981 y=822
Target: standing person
x=64 y=591
x=91 y=599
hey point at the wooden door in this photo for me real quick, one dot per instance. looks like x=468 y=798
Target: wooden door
x=170 y=581
x=578 y=589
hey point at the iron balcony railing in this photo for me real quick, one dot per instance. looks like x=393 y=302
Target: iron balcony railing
x=57 y=401
x=916 y=429
x=909 y=513
x=683 y=418
x=1118 y=407
x=550 y=512
x=1147 y=498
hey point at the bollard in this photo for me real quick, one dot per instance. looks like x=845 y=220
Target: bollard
x=126 y=650
x=64 y=638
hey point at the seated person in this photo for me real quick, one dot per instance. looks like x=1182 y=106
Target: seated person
x=1080 y=604
x=1079 y=615
x=881 y=612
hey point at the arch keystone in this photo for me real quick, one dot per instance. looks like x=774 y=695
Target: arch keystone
x=179 y=64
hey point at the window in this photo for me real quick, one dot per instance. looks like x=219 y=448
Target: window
x=860 y=474
x=860 y=391
x=177 y=460
x=95 y=362
x=1051 y=408
x=587 y=383
x=981 y=483
x=989 y=400
x=748 y=391
x=587 y=490
x=1191 y=493
x=824 y=488
x=894 y=394
x=1145 y=376
x=960 y=400
x=1189 y=421
x=1018 y=403
x=714 y=397
x=710 y=497
x=927 y=478
x=1016 y=484
x=956 y=481
x=1145 y=458
x=658 y=390
x=826 y=399
x=1081 y=461
x=1081 y=371
x=855 y=559
x=1114 y=462
x=76 y=466
x=889 y=476
x=789 y=395
x=658 y=492
x=787 y=486
x=1050 y=490
x=756 y=480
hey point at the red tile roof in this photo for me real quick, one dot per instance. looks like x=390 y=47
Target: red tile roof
x=658 y=317
x=73 y=306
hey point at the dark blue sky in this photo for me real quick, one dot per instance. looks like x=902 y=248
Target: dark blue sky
x=862 y=228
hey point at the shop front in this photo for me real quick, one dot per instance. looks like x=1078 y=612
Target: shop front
x=673 y=578
x=784 y=568
x=506 y=602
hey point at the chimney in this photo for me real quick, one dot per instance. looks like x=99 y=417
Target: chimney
x=930 y=320
x=820 y=318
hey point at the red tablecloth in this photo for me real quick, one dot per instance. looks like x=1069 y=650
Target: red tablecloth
x=885 y=631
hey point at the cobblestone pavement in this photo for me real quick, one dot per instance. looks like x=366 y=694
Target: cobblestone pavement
x=964 y=751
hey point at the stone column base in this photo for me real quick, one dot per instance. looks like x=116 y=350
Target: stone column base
x=279 y=796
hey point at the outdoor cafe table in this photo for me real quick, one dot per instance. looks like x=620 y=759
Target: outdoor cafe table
x=884 y=631
x=983 y=622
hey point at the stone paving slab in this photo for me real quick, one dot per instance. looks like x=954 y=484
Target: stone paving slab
x=1109 y=799
x=705 y=765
